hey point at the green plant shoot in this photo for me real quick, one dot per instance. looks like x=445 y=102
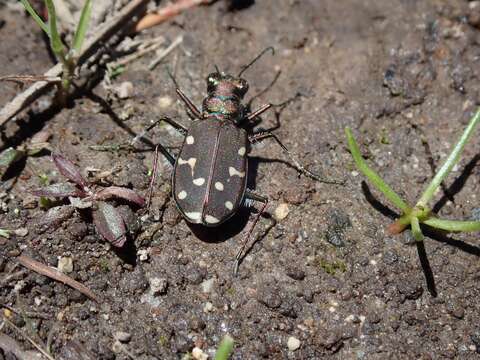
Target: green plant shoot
x=224 y=349
x=420 y=213
x=66 y=55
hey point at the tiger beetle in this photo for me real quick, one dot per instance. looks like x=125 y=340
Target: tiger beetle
x=209 y=177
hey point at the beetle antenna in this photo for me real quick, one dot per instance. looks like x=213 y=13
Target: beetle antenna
x=217 y=69
x=245 y=67
x=170 y=75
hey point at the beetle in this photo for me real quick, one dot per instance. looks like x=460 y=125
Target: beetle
x=209 y=179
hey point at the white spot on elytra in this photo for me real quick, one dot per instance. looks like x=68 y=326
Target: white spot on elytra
x=190 y=140
x=199 y=181
x=232 y=171
x=242 y=151
x=191 y=162
x=211 y=219
x=219 y=186
x=229 y=205
x=182 y=195
x=193 y=215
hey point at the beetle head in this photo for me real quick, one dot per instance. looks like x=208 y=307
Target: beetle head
x=223 y=84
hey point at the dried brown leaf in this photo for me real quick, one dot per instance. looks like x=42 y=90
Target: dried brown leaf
x=122 y=193
x=54 y=217
x=69 y=170
x=58 y=190
x=110 y=224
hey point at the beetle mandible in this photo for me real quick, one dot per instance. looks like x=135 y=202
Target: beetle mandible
x=209 y=180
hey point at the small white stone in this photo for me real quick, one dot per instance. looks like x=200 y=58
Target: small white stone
x=143 y=254
x=242 y=151
x=190 y=140
x=208 y=307
x=124 y=90
x=117 y=347
x=65 y=265
x=293 y=343
x=164 y=102
x=281 y=212
x=219 y=186
x=198 y=354
x=158 y=286
x=21 y=232
x=207 y=285
x=229 y=205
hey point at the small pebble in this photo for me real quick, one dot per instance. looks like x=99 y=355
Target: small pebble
x=123 y=336
x=158 y=286
x=124 y=90
x=65 y=264
x=143 y=254
x=207 y=285
x=164 y=102
x=293 y=343
x=198 y=354
x=21 y=232
x=208 y=307
x=117 y=347
x=281 y=212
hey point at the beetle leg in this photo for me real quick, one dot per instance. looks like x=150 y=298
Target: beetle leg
x=256 y=113
x=266 y=134
x=170 y=159
x=190 y=105
x=180 y=128
x=249 y=196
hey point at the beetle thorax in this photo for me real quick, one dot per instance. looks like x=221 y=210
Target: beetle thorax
x=224 y=99
x=227 y=107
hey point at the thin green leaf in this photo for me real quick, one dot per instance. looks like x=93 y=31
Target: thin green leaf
x=35 y=16
x=224 y=349
x=55 y=41
x=376 y=180
x=450 y=162
x=416 y=231
x=453 y=225
x=82 y=26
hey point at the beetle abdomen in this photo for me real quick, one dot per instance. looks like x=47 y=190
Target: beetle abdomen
x=209 y=178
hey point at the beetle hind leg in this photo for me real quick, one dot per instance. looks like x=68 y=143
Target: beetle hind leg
x=267 y=134
x=249 y=200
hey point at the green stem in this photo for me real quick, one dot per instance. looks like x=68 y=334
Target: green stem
x=450 y=162
x=453 y=225
x=416 y=231
x=376 y=180
x=35 y=16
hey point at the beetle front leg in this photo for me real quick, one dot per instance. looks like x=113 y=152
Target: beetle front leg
x=178 y=127
x=189 y=104
x=266 y=134
x=249 y=196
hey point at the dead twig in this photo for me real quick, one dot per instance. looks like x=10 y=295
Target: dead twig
x=21 y=79
x=165 y=52
x=8 y=341
x=139 y=53
x=168 y=12
x=52 y=273
x=111 y=27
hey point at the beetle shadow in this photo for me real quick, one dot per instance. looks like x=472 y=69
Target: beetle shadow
x=229 y=229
